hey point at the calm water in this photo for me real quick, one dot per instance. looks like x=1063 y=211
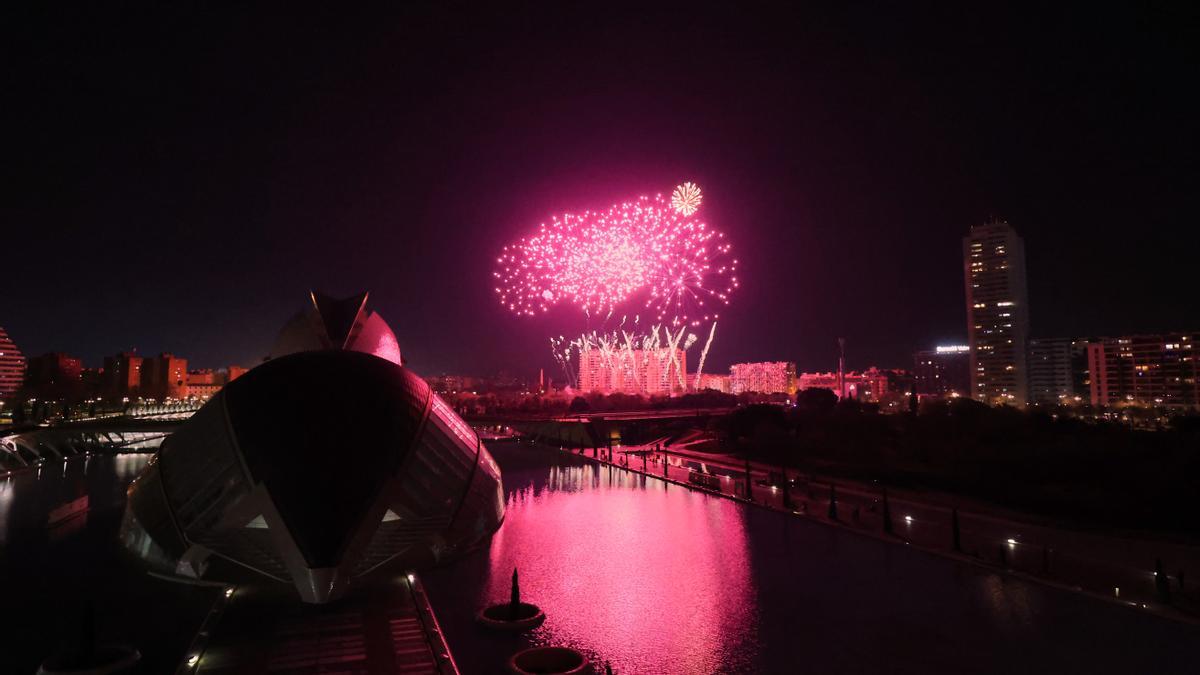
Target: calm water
x=49 y=572
x=659 y=579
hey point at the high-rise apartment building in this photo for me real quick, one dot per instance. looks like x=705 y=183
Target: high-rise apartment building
x=54 y=376
x=12 y=366
x=651 y=372
x=1057 y=370
x=997 y=313
x=767 y=377
x=1150 y=370
x=943 y=371
x=164 y=376
x=123 y=375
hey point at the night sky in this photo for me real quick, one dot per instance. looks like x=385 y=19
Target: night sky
x=177 y=180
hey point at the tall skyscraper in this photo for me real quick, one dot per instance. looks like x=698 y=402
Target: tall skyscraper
x=12 y=366
x=997 y=313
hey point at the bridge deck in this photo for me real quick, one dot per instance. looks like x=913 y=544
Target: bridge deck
x=384 y=629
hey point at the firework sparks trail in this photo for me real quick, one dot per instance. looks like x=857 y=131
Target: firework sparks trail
x=599 y=260
x=703 y=354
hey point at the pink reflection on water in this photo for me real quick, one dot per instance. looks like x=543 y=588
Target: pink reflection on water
x=649 y=579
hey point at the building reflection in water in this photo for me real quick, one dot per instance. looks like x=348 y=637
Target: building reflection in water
x=636 y=573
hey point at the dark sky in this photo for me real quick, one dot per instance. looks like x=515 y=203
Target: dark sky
x=178 y=179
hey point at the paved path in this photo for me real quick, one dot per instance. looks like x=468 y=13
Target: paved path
x=386 y=629
x=1121 y=568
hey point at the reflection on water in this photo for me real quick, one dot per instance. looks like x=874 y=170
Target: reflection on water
x=28 y=498
x=659 y=579
x=662 y=573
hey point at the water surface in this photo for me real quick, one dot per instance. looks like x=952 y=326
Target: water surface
x=655 y=578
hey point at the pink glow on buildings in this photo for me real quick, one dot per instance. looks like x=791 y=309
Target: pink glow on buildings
x=768 y=377
x=869 y=385
x=649 y=372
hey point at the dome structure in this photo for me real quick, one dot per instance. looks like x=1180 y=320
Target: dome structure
x=319 y=469
x=331 y=323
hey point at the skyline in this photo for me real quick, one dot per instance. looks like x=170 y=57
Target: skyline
x=149 y=224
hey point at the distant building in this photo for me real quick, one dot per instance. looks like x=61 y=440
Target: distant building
x=1150 y=370
x=943 y=371
x=766 y=377
x=234 y=372
x=870 y=385
x=127 y=375
x=54 y=376
x=997 y=313
x=710 y=381
x=650 y=372
x=12 y=366
x=204 y=383
x=1057 y=370
x=123 y=375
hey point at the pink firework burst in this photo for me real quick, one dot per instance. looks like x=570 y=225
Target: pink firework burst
x=600 y=260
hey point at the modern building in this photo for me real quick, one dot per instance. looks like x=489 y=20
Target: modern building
x=943 y=371
x=164 y=376
x=765 y=377
x=997 y=313
x=123 y=375
x=54 y=376
x=1148 y=370
x=1057 y=370
x=322 y=468
x=648 y=372
x=12 y=367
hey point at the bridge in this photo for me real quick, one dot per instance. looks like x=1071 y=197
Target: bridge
x=591 y=430
x=137 y=428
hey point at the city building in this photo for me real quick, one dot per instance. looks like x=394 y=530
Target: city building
x=247 y=489
x=870 y=385
x=711 y=381
x=122 y=375
x=1057 y=370
x=54 y=376
x=12 y=367
x=204 y=383
x=943 y=371
x=163 y=377
x=765 y=377
x=997 y=313
x=649 y=372
x=1148 y=370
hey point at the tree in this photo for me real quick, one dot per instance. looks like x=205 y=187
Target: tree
x=817 y=400
x=579 y=405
